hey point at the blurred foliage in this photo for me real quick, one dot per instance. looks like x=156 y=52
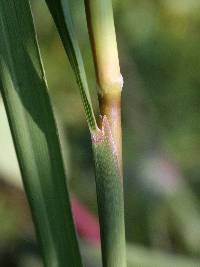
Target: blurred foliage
x=160 y=61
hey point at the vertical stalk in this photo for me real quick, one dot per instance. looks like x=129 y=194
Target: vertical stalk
x=103 y=40
x=107 y=145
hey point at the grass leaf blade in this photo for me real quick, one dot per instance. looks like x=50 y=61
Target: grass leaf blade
x=34 y=133
x=62 y=17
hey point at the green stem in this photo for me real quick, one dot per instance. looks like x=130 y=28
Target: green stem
x=107 y=144
x=103 y=40
x=110 y=198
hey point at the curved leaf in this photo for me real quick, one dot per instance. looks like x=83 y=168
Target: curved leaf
x=35 y=136
x=62 y=17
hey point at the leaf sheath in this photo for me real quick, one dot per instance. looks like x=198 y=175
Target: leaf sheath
x=110 y=198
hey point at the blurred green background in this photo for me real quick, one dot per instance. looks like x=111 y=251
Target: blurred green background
x=159 y=50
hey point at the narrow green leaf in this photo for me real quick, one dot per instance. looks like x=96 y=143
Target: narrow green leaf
x=108 y=178
x=110 y=198
x=61 y=14
x=35 y=137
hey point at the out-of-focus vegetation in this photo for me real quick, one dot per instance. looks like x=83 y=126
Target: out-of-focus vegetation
x=160 y=61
